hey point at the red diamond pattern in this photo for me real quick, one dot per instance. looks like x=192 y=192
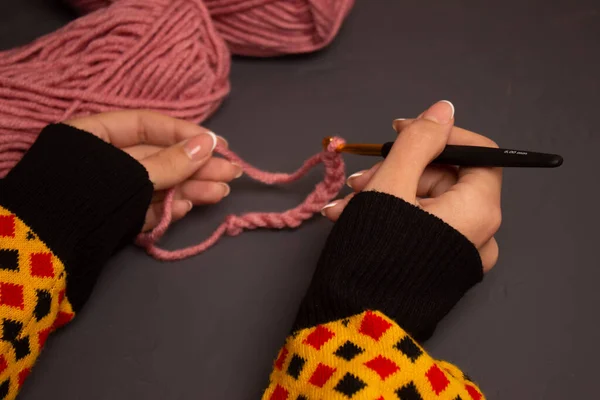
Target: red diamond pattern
x=374 y=326
x=3 y=364
x=23 y=375
x=281 y=359
x=318 y=337
x=7 y=225
x=42 y=336
x=62 y=319
x=321 y=375
x=279 y=394
x=11 y=295
x=437 y=378
x=41 y=265
x=474 y=393
x=383 y=366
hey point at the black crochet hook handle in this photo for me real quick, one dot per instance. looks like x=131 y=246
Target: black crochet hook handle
x=474 y=156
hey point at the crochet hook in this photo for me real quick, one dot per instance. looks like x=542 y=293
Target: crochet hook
x=464 y=156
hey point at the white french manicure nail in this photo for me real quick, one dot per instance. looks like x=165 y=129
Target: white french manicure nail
x=189 y=205
x=240 y=172
x=332 y=204
x=214 y=138
x=227 y=189
x=397 y=120
x=451 y=105
x=353 y=176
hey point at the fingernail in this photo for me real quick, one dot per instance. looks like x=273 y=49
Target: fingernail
x=189 y=205
x=240 y=171
x=332 y=204
x=397 y=120
x=441 y=112
x=200 y=146
x=352 y=177
x=226 y=189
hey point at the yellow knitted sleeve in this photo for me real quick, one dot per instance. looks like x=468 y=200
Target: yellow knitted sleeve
x=366 y=356
x=32 y=300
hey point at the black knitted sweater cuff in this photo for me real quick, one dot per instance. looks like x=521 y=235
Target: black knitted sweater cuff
x=388 y=255
x=82 y=196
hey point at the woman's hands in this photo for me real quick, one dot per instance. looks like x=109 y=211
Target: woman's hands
x=466 y=198
x=175 y=153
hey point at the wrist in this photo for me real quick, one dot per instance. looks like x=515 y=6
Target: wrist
x=388 y=255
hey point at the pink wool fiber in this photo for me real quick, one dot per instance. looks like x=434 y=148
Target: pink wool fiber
x=233 y=225
x=267 y=28
x=169 y=56
x=163 y=55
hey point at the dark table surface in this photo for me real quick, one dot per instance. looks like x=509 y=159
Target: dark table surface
x=525 y=73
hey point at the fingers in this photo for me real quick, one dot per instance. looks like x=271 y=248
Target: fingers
x=218 y=170
x=489 y=253
x=129 y=128
x=204 y=192
x=416 y=146
x=173 y=165
x=198 y=192
x=179 y=209
x=334 y=209
x=436 y=180
x=141 y=151
x=359 y=180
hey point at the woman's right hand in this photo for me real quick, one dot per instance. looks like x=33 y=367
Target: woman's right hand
x=468 y=199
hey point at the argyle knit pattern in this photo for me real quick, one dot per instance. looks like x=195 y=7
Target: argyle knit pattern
x=366 y=356
x=32 y=300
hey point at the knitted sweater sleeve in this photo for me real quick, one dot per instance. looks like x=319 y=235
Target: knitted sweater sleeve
x=68 y=205
x=388 y=274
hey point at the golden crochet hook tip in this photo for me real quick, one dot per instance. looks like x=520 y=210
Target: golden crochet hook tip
x=362 y=149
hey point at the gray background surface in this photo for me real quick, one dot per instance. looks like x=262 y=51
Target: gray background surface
x=525 y=73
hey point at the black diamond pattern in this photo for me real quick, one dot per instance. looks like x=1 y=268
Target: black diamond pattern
x=467 y=377
x=44 y=301
x=409 y=348
x=348 y=351
x=9 y=259
x=345 y=322
x=458 y=398
x=21 y=347
x=408 y=392
x=11 y=330
x=30 y=236
x=295 y=368
x=302 y=397
x=349 y=385
x=4 y=388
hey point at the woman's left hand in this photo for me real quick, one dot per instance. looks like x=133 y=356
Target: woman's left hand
x=176 y=153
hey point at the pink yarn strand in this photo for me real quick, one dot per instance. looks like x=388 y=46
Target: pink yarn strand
x=234 y=225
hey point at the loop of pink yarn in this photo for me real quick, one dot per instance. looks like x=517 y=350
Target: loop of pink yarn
x=163 y=55
x=265 y=28
x=233 y=225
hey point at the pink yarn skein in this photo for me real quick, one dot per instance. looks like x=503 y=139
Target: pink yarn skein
x=265 y=28
x=163 y=55
x=167 y=56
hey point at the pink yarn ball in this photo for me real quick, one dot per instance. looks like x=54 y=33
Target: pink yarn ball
x=162 y=55
x=266 y=28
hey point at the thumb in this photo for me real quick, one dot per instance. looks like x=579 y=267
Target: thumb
x=175 y=164
x=416 y=146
